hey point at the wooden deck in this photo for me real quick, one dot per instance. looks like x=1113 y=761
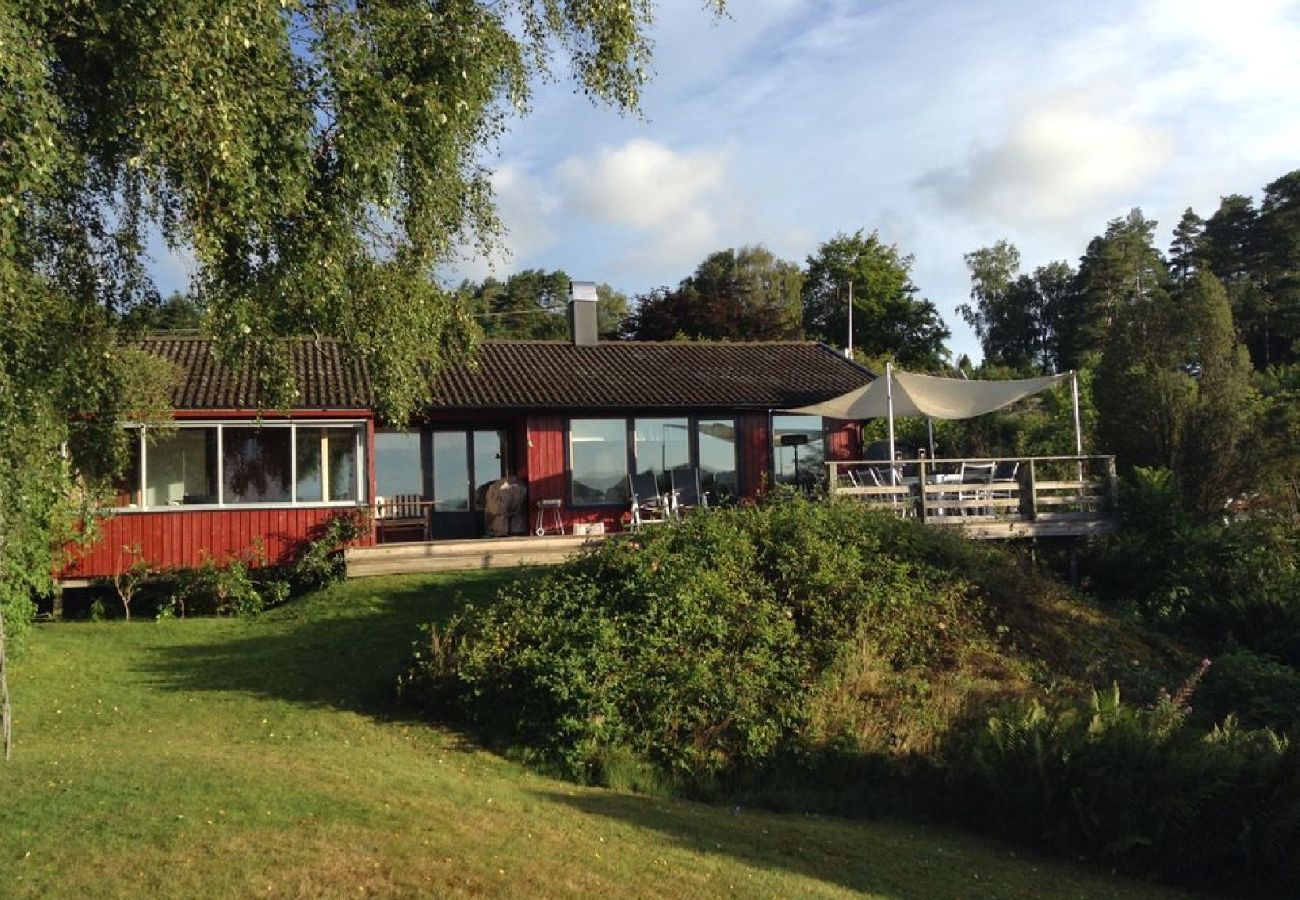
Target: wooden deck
x=1025 y=497
x=446 y=556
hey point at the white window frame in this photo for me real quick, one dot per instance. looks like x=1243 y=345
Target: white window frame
x=359 y=427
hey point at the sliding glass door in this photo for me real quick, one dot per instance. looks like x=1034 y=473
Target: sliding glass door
x=464 y=463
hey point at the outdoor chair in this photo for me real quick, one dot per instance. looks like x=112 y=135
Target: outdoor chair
x=1005 y=485
x=686 y=491
x=974 y=482
x=648 y=505
x=401 y=513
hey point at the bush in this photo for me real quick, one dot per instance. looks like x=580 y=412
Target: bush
x=236 y=588
x=1142 y=789
x=1236 y=581
x=1258 y=690
x=320 y=562
x=710 y=647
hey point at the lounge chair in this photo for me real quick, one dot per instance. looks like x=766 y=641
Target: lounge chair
x=648 y=505
x=686 y=491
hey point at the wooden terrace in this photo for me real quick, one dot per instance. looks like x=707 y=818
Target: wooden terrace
x=992 y=499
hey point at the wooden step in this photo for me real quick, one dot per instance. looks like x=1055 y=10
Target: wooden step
x=443 y=556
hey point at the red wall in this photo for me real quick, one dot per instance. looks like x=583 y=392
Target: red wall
x=755 y=454
x=843 y=440
x=179 y=539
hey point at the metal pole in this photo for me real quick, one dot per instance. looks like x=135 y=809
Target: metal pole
x=889 y=396
x=929 y=428
x=849 y=352
x=1078 y=430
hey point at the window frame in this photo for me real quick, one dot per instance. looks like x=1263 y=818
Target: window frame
x=360 y=428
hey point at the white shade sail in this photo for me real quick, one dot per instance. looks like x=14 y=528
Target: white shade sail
x=929 y=396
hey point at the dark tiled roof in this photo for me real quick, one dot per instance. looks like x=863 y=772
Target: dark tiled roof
x=540 y=375
x=641 y=375
x=324 y=376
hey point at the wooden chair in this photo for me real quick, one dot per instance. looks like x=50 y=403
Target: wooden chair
x=401 y=513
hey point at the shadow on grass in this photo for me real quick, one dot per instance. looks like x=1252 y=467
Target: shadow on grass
x=877 y=859
x=342 y=648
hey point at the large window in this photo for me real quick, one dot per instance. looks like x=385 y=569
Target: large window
x=598 y=460
x=398 y=471
x=719 y=476
x=662 y=445
x=798 y=451
x=257 y=466
x=181 y=468
x=278 y=463
x=603 y=451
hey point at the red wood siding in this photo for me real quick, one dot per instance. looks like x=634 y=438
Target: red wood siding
x=546 y=475
x=178 y=539
x=755 y=453
x=843 y=440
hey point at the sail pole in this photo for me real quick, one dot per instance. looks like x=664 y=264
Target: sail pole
x=1078 y=430
x=889 y=397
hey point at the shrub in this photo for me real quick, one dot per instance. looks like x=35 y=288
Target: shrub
x=1257 y=689
x=235 y=588
x=1141 y=788
x=320 y=562
x=704 y=648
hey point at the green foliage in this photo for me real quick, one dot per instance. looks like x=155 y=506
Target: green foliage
x=1015 y=316
x=705 y=648
x=1142 y=789
x=889 y=319
x=235 y=588
x=317 y=160
x=744 y=294
x=1120 y=270
x=1257 y=689
x=1215 y=582
x=1173 y=390
x=533 y=305
x=320 y=563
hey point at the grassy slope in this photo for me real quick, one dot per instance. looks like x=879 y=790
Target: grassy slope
x=228 y=758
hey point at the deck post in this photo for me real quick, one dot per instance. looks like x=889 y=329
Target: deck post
x=1112 y=484
x=920 y=487
x=1029 y=493
x=835 y=478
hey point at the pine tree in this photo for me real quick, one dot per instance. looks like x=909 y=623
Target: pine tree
x=1120 y=269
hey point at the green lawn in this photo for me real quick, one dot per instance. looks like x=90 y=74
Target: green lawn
x=215 y=757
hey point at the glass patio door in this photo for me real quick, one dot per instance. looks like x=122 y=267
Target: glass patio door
x=464 y=464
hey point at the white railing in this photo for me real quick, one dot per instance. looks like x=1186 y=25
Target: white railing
x=975 y=491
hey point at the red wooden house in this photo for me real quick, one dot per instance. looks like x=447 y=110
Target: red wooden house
x=570 y=419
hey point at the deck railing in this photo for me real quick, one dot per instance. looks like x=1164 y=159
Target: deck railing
x=1029 y=495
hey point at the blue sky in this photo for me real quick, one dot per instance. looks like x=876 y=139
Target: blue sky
x=944 y=125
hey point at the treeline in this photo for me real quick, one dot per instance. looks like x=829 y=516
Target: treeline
x=1060 y=317
x=744 y=294
x=1192 y=355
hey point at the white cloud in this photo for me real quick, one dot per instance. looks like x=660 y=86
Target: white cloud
x=527 y=210
x=642 y=183
x=1065 y=157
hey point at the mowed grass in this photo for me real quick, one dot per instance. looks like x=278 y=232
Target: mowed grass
x=214 y=758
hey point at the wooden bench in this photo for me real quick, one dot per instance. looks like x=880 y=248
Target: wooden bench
x=401 y=514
